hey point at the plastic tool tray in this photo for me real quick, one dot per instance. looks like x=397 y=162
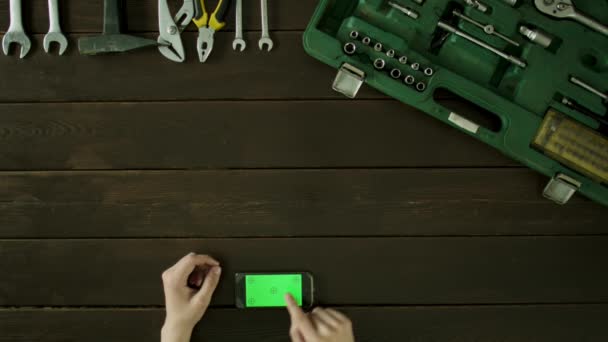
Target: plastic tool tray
x=529 y=103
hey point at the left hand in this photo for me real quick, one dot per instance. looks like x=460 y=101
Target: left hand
x=188 y=285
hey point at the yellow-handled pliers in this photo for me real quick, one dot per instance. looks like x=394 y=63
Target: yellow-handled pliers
x=208 y=24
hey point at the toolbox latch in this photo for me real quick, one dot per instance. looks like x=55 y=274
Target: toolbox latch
x=348 y=80
x=561 y=188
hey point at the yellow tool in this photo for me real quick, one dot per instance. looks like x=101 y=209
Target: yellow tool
x=574 y=145
x=208 y=24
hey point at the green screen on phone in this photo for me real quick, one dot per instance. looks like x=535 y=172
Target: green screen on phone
x=266 y=290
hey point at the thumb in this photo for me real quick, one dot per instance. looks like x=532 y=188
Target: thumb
x=203 y=296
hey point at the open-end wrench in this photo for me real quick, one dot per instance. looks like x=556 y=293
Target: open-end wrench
x=239 y=42
x=563 y=9
x=265 y=40
x=54 y=35
x=15 y=33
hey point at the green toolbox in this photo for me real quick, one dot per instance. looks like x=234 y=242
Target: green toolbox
x=534 y=74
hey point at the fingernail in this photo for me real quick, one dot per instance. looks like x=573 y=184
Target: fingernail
x=217 y=270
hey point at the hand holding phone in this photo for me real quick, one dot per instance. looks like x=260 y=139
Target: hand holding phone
x=321 y=325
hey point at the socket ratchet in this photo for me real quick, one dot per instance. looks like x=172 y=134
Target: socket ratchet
x=563 y=9
x=517 y=61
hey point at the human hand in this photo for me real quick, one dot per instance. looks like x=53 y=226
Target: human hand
x=321 y=325
x=188 y=285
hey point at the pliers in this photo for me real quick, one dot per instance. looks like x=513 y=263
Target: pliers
x=169 y=39
x=208 y=24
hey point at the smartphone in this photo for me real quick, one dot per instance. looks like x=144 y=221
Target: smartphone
x=267 y=290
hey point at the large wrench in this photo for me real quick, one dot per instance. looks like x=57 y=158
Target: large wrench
x=565 y=9
x=238 y=32
x=265 y=40
x=55 y=35
x=15 y=33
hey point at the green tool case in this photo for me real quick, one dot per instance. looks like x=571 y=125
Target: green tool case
x=538 y=82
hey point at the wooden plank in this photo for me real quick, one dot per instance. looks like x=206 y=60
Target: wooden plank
x=286 y=73
x=348 y=271
x=536 y=323
x=252 y=203
x=141 y=15
x=229 y=134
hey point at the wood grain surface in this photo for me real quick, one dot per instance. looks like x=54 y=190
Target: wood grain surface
x=232 y=134
x=112 y=167
x=530 y=323
x=255 y=203
x=348 y=271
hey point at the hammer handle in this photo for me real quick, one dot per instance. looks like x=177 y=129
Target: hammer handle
x=111 y=17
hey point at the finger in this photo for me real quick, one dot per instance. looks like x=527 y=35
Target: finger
x=195 y=279
x=340 y=317
x=187 y=264
x=299 y=319
x=326 y=318
x=203 y=296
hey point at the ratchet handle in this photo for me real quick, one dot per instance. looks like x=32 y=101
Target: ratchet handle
x=591 y=23
x=218 y=18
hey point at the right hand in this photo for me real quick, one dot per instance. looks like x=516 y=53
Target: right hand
x=321 y=325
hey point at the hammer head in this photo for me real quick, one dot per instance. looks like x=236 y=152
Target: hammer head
x=108 y=43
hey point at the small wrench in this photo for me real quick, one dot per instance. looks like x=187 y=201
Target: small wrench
x=265 y=40
x=565 y=9
x=54 y=35
x=239 y=42
x=15 y=33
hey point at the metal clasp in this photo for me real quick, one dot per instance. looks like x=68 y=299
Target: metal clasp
x=561 y=188
x=348 y=81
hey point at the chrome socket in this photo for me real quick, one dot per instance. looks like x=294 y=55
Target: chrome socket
x=350 y=48
x=379 y=63
x=395 y=73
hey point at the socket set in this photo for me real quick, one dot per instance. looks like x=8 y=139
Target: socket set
x=537 y=70
x=390 y=62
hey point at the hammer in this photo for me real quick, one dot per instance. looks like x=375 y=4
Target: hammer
x=111 y=40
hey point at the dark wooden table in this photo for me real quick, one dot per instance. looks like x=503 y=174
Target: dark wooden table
x=113 y=167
